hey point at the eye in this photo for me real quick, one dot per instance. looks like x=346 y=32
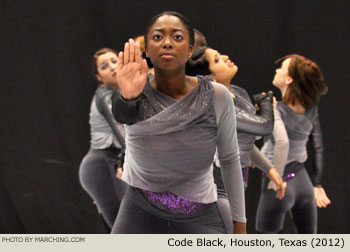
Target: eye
x=178 y=37
x=216 y=59
x=157 y=37
x=114 y=60
x=103 y=66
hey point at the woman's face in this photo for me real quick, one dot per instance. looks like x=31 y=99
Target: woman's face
x=282 y=78
x=221 y=67
x=168 y=43
x=107 y=68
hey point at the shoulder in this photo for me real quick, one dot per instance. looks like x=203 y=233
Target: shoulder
x=280 y=110
x=239 y=90
x=283 y=108
x=102 y=92
x=222 y=100
x=312 y=112
x=220 y=91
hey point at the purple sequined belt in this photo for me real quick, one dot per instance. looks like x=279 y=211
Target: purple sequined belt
x=172 y=203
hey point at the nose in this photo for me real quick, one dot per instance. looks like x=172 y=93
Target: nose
x=113 y=66
x=167 y=43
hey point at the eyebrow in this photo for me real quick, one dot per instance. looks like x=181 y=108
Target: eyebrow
x=173 y=30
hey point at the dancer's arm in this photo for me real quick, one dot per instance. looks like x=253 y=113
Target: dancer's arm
x=259 y=125
x=228 y=153
x=103 y=104
x=281 y=148
x=265 y=165
x=321 y=197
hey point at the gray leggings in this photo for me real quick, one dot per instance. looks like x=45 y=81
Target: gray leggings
x=97 y=177
x=299 y=200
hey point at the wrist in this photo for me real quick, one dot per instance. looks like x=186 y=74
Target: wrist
x=239 y=227
x=130 y=99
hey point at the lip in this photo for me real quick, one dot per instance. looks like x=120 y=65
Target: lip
x=114 y=74
x=167 y=55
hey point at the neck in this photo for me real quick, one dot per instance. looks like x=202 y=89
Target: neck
x=283 y=91
x=226 y=83
x=172 y=84
x=296 y=107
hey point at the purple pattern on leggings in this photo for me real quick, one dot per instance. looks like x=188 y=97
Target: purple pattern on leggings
x=172 y=203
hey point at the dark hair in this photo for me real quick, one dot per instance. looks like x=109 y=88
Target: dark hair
x=94 y=59
x=199 y=40
x=198 y=63
x=183 y=19
x=308 y=83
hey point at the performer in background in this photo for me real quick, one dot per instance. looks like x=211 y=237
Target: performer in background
x=209 y=62
x=97 y=171
x=301 y=83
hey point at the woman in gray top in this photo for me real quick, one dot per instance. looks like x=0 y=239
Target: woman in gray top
x=174 y=124
x=296 y=119
x=97 y=170
x=220 y=68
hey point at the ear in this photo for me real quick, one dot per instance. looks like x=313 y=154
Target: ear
x=98 y=77
x=289 y=80
x=190 y=51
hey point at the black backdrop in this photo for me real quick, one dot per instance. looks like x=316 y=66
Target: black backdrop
x=46 y=90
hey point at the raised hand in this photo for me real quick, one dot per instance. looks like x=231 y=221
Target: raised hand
x=132 y=70
x=321 y=197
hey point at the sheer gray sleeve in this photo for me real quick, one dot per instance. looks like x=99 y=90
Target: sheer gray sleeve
x=260 y=160
x=228 y=151
x=103 y=104
x=281 y=148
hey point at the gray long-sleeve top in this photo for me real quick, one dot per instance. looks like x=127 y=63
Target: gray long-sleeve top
x=104 y=130
x=249 y=125
x=289 y=139
x=170 y=143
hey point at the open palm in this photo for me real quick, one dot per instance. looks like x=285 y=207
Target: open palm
x=132 y=70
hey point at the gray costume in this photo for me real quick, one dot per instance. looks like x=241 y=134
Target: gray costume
x=170 y=146
x=249 y=125
x=97 y=169
x=286 y=148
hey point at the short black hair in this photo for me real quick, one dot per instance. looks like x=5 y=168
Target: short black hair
x=198 y=63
